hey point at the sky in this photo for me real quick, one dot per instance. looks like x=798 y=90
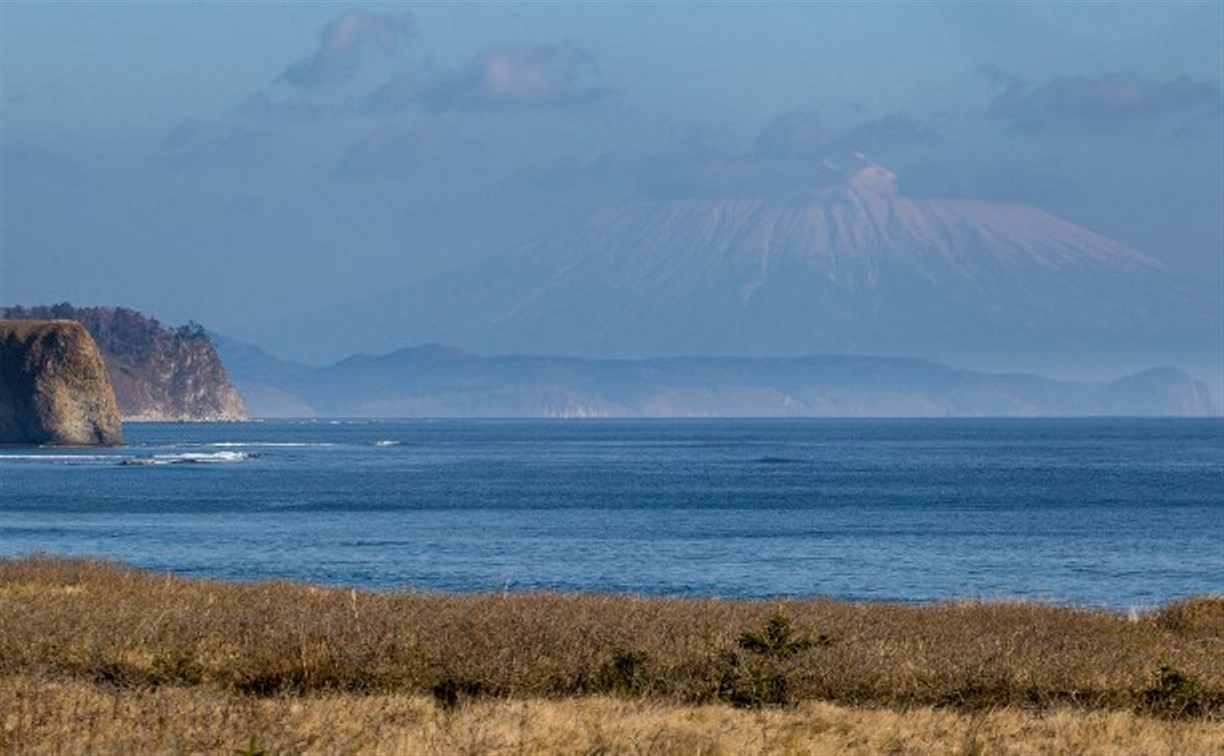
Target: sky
x=235 y=163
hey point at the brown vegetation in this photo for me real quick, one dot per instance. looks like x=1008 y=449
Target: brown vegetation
x=75 y=632
x=39 y=716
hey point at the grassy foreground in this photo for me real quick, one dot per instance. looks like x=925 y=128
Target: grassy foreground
x=98 y=657
x=45 y=716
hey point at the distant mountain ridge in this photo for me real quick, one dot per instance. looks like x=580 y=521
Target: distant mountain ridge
x=157 y=373
x=439 y=381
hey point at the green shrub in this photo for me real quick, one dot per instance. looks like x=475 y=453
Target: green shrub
x=759 y=679
x=1174 y=694
x=750 y=687
x=626 y=672
x=177 y=669
x=252 y=749
x=778 y=640
x=452 y=692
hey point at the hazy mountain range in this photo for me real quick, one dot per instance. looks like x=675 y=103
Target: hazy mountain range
x=440 y=381
x=850 y=265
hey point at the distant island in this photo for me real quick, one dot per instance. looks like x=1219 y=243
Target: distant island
x=158 y=373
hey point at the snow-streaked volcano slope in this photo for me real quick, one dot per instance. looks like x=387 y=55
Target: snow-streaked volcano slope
x=848 y=266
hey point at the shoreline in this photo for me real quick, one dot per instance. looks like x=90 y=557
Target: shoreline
x=1131 y=611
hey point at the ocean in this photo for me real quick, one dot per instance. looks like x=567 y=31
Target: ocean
x=1119 y=513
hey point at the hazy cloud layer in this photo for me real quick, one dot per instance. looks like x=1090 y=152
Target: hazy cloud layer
x=801 y=135
x=880 y=135
x=199 y=143
x=1039 y=181
x=25 y=161
x=403 y=90
x=792 y=153
x=511 y=78
x=1107 y=101
x=265 y=106
x=419 y=151
x=325 y=83
x=343 y=43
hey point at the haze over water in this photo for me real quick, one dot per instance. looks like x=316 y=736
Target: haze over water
x=1115 y=512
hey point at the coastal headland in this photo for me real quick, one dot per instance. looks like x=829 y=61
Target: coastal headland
x=101 y=657
x=54 y=387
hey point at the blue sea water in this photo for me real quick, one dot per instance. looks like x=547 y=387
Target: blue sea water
x=1099 y=512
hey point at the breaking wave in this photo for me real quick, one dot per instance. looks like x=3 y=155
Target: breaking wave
x=190 y=458
x=62 y=459
x=186 y=458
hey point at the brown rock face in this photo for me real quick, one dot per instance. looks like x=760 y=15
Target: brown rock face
x=54 y=387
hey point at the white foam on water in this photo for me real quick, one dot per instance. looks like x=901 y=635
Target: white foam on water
x=387 y=442
x=61 y=458
x=191 y=458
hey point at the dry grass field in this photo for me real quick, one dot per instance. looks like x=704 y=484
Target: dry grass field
x=99 y=657
x=41 y=716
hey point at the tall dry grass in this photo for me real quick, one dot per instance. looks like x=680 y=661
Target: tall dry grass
x=43 y=716
x=64 y=619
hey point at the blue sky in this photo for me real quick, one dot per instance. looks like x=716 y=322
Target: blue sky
x=230 y=162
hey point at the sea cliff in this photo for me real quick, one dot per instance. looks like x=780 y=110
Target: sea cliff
x=158 y=372
x=54 y=387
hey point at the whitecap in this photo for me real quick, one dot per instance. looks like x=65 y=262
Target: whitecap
x=191 y=458
x=61 y=458
x=387 y=442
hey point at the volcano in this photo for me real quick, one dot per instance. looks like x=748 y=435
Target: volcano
x=850 y=265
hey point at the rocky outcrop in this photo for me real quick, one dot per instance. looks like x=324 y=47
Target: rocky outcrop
x=158 y=373
x=54 y=387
